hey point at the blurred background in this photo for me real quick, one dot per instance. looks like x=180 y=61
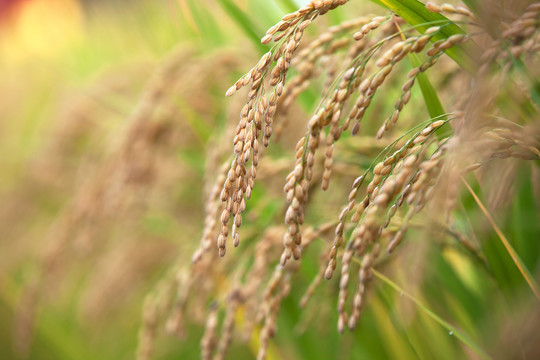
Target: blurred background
x=113 y=124
x=106 y=110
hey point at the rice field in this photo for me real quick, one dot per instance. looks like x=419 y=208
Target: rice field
x=248 y=179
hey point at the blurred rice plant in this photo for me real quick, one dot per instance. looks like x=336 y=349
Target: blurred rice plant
x=115 y=128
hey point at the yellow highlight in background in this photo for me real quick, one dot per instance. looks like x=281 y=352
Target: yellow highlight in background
x=39 y=29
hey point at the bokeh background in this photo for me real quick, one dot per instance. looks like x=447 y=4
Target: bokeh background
x=107 y=108
x=113 y=123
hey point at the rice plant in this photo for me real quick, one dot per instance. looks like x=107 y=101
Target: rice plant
x=370 y=189
x=417 y=179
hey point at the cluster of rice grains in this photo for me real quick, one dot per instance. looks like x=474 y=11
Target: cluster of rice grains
x=421 y=167
x=258 y=113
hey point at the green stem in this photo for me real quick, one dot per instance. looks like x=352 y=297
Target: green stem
x=451 y=329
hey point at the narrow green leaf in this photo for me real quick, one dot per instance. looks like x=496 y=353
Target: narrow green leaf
x=525 y=272
x=433 y=104
x=523 y=222
x=460 y=335
x=528 y=78
x=416 y=14
x=243 y=20
x=288 y=5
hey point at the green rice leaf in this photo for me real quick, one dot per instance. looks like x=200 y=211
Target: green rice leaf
x=288 y=5
x=433 y=104
x=244 y=22
x=453 y=330
x=416 y=14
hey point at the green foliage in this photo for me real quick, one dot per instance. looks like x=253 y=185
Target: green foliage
x=451 y=301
